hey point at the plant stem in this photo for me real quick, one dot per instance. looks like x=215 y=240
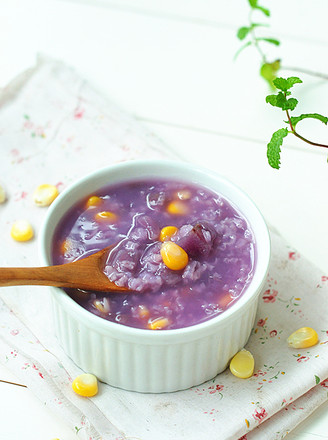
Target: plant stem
x=306 y=71
x=301 y=137
x=264 y=58
x=255 y=42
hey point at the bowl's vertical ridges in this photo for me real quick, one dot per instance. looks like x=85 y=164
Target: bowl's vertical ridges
x=73 y=342
x=110 y=363
x=225 y=347
x=174 y=371
x=186 y=354
x=195 y=365
x=210 y=365
x=153 y=368
x=140 y=365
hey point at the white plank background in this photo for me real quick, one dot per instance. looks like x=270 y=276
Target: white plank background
x=170 y=64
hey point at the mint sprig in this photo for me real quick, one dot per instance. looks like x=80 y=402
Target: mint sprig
x=280 y=100
x=245 y=31
x=268 y=70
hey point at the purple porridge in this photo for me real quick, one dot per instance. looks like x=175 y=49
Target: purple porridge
x=184 y=251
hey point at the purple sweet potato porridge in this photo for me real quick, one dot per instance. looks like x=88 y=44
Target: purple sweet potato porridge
x=184 y=251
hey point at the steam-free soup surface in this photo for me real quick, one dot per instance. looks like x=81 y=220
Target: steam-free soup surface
x=184 y=251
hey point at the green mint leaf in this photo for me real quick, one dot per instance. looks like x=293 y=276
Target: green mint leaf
x=253 y=4
x=296 y=119
x=269 y=40
x=317 y=379
x=273 y=100
x=264 y=10
x=254 y=25
x=241 y=49
x=286 y=84
x=273 y=150
x=243 y=32
x=278 y=100
x=281 y=101
x=290 y=104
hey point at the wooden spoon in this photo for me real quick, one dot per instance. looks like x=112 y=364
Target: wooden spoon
x=83 y=274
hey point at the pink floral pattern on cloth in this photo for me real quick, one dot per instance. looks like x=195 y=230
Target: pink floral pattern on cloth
x=54 y=128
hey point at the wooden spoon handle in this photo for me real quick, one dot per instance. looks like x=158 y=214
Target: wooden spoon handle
x=58 y=276
x=71 y=275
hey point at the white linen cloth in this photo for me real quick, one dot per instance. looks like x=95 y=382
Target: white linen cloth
x=54 y=128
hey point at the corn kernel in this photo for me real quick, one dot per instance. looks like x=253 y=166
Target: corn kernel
x=22 y=230
x=242 y=364
x=66 y=246
x=167 y=232
x=45 y=194
x=184 y=194
x=2 y=195
x=94 y=201
x=174 y=257
x=103 y=306
x=143 y=312
x=158 y=323
x=107 y=216
x=85 y=385
x=177 y=207
x=224 y=300
x=303 y=338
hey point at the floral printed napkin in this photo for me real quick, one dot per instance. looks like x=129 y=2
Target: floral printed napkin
x=55 y=128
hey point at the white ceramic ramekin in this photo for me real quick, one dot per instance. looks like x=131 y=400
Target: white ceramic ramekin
x=151 y=360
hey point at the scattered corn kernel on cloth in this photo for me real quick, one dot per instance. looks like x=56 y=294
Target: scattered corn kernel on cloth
x=54 y=127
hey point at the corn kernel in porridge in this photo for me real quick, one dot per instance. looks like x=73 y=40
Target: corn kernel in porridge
x=178 y=207
x=158 y=324
x=106 y=216
x=174 y=257
x=167 y=232
x=93 y=201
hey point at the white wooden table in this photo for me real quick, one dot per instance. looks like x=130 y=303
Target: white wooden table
x=171 y=65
